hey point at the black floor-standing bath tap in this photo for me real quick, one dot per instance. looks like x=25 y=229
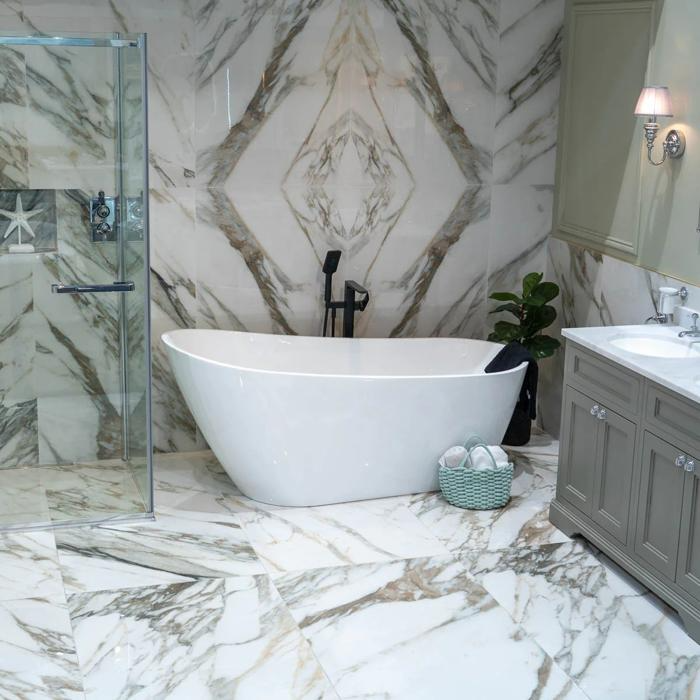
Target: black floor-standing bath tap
x=349 y=304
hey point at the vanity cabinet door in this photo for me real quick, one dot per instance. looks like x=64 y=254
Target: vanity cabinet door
x=613 y=478
x=688 y=571
x=660 y=503
x=578 y=450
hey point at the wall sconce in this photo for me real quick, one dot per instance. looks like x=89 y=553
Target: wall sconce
x=655 y=101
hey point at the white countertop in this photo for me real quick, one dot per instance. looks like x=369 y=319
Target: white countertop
x=679 y=375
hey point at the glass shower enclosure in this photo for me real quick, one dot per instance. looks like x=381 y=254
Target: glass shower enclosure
x=75 y=429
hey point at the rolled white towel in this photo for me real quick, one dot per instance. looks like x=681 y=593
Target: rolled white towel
x=480 y=460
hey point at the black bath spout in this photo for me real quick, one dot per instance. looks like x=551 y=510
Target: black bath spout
x=350 y=305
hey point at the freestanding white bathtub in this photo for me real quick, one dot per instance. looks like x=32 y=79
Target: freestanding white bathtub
x=299 y=421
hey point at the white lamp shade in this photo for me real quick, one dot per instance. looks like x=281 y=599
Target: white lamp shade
x=654 y=101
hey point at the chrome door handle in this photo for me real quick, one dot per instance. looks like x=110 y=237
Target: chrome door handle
x=595 y=411
x=92 y=288
x=681 y=460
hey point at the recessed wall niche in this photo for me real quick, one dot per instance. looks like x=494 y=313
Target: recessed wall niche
x=27 y=221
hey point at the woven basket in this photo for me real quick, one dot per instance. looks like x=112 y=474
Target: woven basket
x=476 y=489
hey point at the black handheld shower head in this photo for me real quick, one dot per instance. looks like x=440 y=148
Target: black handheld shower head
x=330 y=264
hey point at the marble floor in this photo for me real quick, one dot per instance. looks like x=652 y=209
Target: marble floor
x=404 y=598
x=42 y=495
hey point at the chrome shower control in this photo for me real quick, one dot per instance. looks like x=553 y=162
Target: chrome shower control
x=103 y=220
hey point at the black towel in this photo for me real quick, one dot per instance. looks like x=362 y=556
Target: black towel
x=513 y=355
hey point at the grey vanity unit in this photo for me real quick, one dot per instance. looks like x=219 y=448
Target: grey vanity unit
x=629 y=473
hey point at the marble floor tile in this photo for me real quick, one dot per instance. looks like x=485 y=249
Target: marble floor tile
x=37 y=652
x=218 y=638
x=91 y=491
x=292 y=539
x=194 y=482
x=22 y=497
x=177 y=547
x=523 y=522
x=611 y=636
x=418 y=628
x=29 y=566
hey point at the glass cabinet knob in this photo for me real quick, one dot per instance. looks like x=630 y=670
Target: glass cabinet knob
x=681 y=460
x=690 y=466
x=602 y=414
x=595 y=410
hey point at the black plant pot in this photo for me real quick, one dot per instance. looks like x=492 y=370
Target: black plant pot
x=519 y=428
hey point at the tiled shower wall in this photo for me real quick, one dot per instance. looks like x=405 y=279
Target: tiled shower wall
x=417 y=136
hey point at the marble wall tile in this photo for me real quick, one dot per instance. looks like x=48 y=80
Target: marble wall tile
x=14 y=166
x=19 y=427
x=521 y=221
x=282 y=129
x=173 y=305
x=366 y=622
x=596 y=290
x=529 y=66
x=16 y=329
x=229 y=638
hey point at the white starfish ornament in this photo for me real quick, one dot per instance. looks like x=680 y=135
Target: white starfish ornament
x=19 y=221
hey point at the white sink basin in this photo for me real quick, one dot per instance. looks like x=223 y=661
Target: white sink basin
x=655 y=346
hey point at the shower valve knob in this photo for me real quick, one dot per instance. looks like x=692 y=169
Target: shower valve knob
x=103 y=211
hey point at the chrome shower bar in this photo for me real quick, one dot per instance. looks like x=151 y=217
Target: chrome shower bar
x=67 y=41
x=92 y=288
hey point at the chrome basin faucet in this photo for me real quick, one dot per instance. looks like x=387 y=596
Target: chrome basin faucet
x=694 y=331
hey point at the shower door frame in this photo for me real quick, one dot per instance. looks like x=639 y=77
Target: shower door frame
x=117 y=42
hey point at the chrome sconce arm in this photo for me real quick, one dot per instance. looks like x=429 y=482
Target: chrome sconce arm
x=655 y=101
x=673 y=145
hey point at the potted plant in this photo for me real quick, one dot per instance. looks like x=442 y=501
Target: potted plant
x=533 y=313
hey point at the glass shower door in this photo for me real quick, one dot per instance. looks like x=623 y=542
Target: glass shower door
x=74 y=317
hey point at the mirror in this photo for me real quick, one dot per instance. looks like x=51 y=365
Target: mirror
x=609 y=196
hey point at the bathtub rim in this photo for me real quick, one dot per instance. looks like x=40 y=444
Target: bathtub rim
x=166 y=339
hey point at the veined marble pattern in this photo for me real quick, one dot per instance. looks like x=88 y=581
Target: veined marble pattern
x=529 y=64
x=29 y=566
x=221 y=638
x=37 y=651
x=373 y=126
x=523 y=522
x=611 y=636
x=596 y=290
x=183 y=606
x=418 y=628
x=291 y=539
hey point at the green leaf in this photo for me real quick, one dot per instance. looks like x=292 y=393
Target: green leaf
x=537 y=318
x=512 y=308
x=504 y=331
x=506 y=296
x=530 y=281
x=542 y=346
x=543 y=293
